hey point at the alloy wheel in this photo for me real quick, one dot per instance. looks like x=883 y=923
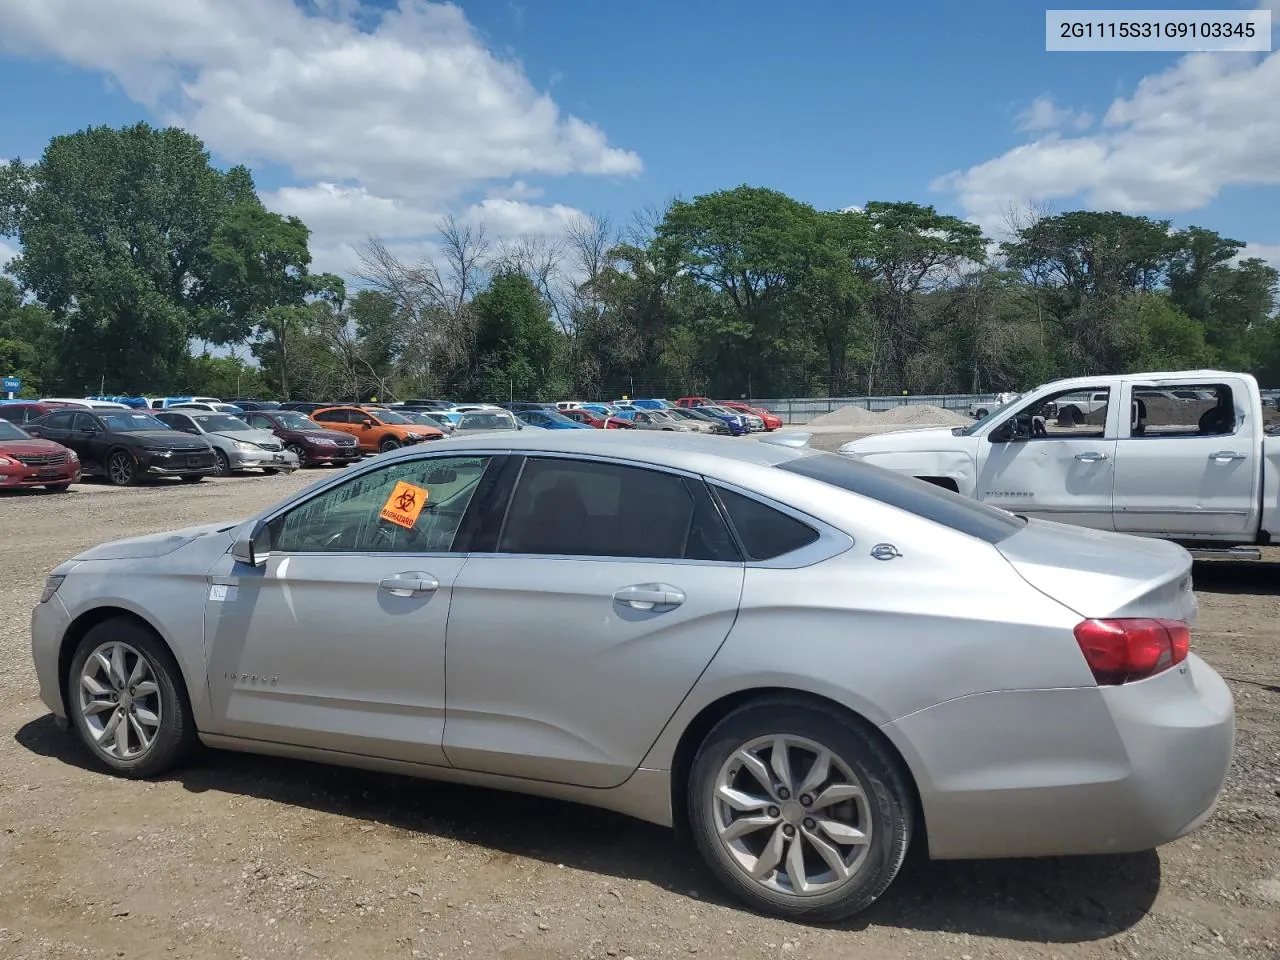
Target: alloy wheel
x=120 y=701
x=121 y=469
x=222 y=466
x=791 y=815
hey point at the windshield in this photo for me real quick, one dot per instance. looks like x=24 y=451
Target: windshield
x=996 y=414
x=419 y=418
x=132 y=422
x=717 y=411
x=9 y=432
x=555 y=416
x=389 y=416
x=296 y=421
x=488 y=421
x=221 y=423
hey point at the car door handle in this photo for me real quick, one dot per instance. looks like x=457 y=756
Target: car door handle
x=646 y=596
x=1225 y=456
x=1091 y=457
x=413 y=584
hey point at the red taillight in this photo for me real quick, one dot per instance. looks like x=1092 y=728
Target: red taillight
x=1119 y=651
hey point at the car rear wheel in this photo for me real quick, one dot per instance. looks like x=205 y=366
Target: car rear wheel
x=127 y=701
x=122 y=469
x=388 y=444
x=223 y=466
x=799 y=812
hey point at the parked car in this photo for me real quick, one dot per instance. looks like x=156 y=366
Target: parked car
x=474 y=407
x=247 y=405
x=736 y=423
x=753 y=422
x=592 y=417
x=430 y=418
x=657 y=420
x=84 y=404
x=487 y=421
x=26 y=461
x=311 y=443
x=696 y=418
x=429 y=406
x=217 y=406
x=769 y=421
x=549 y=420
x=163 y=403
x=694 y=402
x=24 y=411
x=306 y=407
x=811 y=664
x=980 y=408
x=127 y=445
x=1200 y=472
x=236 y=444
x=516 y=406
x=376 y=431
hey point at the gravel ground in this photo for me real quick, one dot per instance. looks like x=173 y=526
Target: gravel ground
x=242 y=857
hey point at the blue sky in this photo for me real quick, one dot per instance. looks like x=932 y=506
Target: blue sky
x=380 y=117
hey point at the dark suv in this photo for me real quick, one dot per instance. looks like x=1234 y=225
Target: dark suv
x=300 y=434
x=126 y=445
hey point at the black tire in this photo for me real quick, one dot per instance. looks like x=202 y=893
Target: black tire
x=192 y=477
x=389 y=444
x=888 y=806
x=223 y=464
x=121 y=468
x=58 y=487
x=175 y=735
x=981 y=413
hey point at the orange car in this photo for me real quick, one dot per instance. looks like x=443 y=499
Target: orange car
x=771 y=420
x=376 y=430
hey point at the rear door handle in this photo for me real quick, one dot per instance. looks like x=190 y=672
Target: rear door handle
x=1092 y=457
x=412 y=584
x=646 y=596
x=1225 y=456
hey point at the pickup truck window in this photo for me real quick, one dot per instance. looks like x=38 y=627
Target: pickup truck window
x=1190 y=410
x=1068 y=415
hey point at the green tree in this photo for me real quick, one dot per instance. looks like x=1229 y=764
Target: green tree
x=515 y=341
x=29 y=340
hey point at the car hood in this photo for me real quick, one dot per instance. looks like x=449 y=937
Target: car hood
x=1101 y=574
x=30 y=447
x=924 y=438
x=155 y=544
x=251 y=436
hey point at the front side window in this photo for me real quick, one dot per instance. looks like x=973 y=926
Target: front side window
x=331 y=416
x=565 y=507
x=1068 y=415
x=58 y=421
x=1193 y=410
x=413 y=506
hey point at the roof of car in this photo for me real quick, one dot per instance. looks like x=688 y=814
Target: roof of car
x=672 y=449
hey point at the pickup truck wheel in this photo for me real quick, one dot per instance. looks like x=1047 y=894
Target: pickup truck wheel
x=982 y=412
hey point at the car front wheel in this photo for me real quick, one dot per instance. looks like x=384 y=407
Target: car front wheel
x=122 y=469
x=388 y=445
x=798 y=811
x=127 y=701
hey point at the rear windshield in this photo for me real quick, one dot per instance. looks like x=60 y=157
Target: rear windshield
x=926 y=500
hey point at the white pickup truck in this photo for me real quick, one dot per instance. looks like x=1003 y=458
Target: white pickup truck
x=1180 y=456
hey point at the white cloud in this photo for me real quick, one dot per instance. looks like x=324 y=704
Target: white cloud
x=1043 y=114
x=1206 y=123
x=1269 y=252
x=386 y=117
x=8 y=250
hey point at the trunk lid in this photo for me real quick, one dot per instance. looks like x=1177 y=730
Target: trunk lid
x=1100 y=574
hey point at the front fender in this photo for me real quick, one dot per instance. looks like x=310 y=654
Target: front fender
x=951 y=464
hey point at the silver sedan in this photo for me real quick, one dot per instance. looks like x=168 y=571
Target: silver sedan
x=808 y=662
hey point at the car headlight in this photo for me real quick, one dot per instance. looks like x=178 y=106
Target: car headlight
x=415 y=436
x=244 y=445
x=72 y=455
x=323 y=441
x=51 y=585
x=158 y=451
x=5 y=463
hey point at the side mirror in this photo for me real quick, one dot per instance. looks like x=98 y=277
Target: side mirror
x=367 y=422
x=1007 y=432
x=253 y=546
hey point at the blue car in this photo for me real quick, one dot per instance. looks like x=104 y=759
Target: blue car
x=736 y=424
x=548 y=420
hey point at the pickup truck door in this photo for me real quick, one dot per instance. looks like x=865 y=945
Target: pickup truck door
x=1065 y=473
x=1183 y=475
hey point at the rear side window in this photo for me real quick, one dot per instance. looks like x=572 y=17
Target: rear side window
x=765 y=532
x=925 y=500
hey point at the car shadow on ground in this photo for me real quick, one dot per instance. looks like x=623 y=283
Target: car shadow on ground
x=1255 y=577
x=1052 y=900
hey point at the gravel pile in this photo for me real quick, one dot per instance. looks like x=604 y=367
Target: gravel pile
x=908 y=414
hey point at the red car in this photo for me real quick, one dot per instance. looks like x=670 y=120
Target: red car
x=694 y=402
x=28 y=462
x=593 y=419
x=771 y=420
x=24 y=411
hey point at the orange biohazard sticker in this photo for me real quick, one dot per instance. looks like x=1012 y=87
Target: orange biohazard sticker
x=404 y=504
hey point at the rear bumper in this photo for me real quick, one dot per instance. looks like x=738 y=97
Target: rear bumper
x=1087 y=770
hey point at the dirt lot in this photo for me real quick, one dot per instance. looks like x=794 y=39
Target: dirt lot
x=243 y=857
